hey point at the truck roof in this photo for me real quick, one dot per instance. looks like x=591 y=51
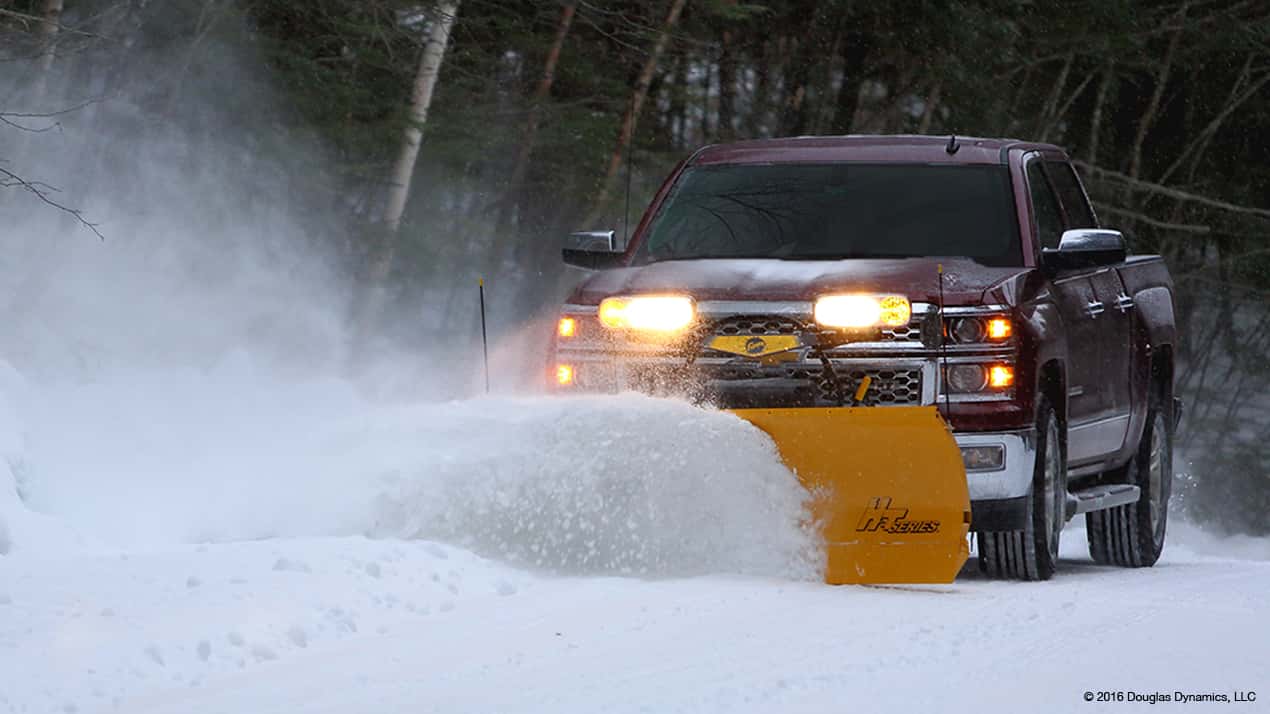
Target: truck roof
x=866 y=148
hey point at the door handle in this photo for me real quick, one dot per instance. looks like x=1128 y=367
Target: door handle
x=1095 y=308
x=1124 y=302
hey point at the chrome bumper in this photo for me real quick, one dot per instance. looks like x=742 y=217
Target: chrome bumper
x=1014 y=479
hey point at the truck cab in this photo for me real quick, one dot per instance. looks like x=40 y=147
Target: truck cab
x=968 y=274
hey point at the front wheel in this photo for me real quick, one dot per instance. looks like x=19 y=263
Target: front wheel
x=1132 y=535
x=1032 y=553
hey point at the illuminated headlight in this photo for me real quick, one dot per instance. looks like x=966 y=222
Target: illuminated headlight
x=650 y=313
x=859 y=311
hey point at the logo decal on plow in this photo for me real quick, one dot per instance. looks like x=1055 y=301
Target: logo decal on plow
x=755 y=345
x=880 y=516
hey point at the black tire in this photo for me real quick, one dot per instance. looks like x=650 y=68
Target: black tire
x=1132 y=535
x=1032 y=553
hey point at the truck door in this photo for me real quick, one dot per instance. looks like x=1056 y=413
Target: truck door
x=1080 y=309
x=1106 y=433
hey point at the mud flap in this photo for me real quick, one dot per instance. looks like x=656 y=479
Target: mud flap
x=888 y=489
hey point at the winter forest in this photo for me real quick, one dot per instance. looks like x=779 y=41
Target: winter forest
x=415 y=147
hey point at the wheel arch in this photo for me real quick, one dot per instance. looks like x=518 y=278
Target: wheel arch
x=1051 y=382
x=1161 y=385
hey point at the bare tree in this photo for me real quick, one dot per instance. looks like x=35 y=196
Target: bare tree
x=541 y=92
x=629 y=119
x=727 y=84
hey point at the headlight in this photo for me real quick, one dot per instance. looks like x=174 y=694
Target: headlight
x=652 y=313
x=972 y=330
x=964 y=378
x=863 y=311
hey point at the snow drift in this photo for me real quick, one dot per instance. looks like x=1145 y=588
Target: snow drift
x=621 y=485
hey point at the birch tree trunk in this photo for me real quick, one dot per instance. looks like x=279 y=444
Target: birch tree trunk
x=629 y=120
x=420 y=100
x=370 y=302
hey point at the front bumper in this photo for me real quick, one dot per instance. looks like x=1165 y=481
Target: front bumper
x=998 y=499
x=1014 y=479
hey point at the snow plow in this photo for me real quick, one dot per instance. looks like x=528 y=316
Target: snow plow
x=888 y=489
x=887 y=481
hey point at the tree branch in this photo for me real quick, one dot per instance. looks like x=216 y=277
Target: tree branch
x=40 y=21
x=1140 y=185
x=8 y=179
x=1179 y=227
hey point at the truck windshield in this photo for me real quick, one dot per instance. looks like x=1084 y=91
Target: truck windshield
x=837 y=211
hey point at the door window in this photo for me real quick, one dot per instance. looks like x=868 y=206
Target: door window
x=1045 y=211
x=1075 y=206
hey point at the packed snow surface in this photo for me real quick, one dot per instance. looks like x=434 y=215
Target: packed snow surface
x=216 y=541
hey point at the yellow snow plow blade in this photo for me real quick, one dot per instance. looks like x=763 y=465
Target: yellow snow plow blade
x=888 y=489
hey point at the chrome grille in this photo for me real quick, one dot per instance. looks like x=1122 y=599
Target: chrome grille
x=744 y=383
x=911 y=333
x=887 y=386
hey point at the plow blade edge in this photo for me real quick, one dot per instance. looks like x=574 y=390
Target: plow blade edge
x=888 y=489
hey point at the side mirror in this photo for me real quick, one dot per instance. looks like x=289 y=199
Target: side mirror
x=1085 y=248
x=594 y=250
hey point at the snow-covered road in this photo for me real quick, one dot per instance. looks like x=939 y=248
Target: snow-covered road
x=357 y=625
x=213 y=543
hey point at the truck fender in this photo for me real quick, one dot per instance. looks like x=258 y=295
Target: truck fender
x=1044 y=343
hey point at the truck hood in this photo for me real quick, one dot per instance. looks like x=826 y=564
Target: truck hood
x=965 y=281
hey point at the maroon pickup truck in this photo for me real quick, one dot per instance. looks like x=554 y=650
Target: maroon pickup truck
x=970 y=274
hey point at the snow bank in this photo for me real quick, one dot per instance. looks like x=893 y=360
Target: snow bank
x=19 y=526
x=612 y=485
x=615 y=485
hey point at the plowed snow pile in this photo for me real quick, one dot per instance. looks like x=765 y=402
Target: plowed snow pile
x=622 y=485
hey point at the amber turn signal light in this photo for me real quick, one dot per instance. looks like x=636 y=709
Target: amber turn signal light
x=999 y=328
x=564 y=374
x=1001 y=376
x=567 y=327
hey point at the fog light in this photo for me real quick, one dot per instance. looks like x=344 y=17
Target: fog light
x=568 y=327
x=564 y=374
x=1001 y=376
x=967 y=378
x=983 y=458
